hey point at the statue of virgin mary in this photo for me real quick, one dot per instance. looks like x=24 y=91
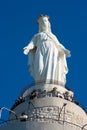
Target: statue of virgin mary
x=46 y=55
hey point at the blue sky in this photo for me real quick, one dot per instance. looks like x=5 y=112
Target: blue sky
x=17 y=27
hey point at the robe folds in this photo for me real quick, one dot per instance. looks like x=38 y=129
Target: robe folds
x=47 y=58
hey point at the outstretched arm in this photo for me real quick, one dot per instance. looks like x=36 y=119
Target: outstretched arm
x=66 y=51
x=60 y=47
x=30 y=46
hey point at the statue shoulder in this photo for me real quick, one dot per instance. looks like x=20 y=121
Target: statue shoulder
x=36 y=36
x=54 y=37
x=41 y=36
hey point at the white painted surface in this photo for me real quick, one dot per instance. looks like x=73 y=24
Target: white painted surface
x=72 y=116
x=47 y=57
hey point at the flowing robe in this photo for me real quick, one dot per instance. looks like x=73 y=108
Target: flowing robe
x=47 y=58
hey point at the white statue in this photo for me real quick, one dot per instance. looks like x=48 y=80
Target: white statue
x=47 y=57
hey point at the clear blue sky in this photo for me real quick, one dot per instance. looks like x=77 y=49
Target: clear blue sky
x=18 y=25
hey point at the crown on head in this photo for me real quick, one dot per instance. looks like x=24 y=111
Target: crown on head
x=42 y=16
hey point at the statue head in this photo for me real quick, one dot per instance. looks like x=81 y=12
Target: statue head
x=44 y=24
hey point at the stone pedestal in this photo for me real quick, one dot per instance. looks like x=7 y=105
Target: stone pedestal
x=47 y=111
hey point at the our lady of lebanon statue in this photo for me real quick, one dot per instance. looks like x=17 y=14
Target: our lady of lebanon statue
x=47 y=56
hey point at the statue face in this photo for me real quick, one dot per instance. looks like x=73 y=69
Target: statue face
x=43 y=23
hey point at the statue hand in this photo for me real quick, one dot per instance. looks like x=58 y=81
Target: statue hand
x=26 y=50
x=67 y=52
